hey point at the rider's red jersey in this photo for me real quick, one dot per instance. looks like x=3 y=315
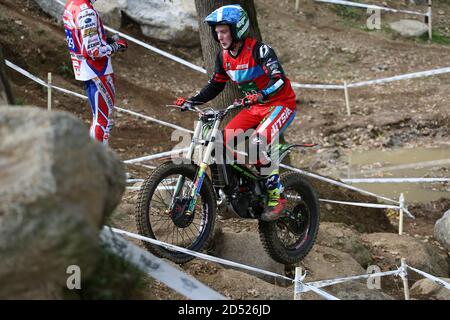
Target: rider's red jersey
x=86 y=40
x=250 y=70
x=255 y=69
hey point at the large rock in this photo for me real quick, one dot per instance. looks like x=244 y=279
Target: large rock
x=246 y=248
x=111 y=12
x=346 y=239
x=241 y=285
x=442 y=230
x=327 y=263
x=409 y=28
x=52 y=7
x=357 y=291
x=324 y=263
x=172 y=21
x=57 y=187
x=427 y=289
x=418 y=254
x=363 y=219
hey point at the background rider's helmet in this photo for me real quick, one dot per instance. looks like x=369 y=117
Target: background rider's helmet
x=232 y=15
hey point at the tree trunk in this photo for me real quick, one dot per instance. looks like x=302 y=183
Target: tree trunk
x=6 y=96
x=210 y=48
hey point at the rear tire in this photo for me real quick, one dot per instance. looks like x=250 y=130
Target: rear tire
x=144 y=210
x=307 y=211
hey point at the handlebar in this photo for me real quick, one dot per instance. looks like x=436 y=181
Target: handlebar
x=200 y=111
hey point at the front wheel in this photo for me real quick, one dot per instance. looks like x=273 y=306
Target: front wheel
x=162 y=216
x=289 y=239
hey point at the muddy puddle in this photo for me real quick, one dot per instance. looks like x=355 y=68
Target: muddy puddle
x=403 y=163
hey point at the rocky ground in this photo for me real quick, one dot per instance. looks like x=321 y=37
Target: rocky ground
x=318 y=45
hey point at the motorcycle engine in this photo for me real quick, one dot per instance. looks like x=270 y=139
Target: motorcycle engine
x=245 y=202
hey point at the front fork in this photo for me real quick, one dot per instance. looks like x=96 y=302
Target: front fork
x=198 y=182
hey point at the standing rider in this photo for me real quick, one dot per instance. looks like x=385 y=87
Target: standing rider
x=91 y=51
x=255 y=68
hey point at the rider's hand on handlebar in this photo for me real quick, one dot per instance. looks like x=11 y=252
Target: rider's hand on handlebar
x=184 y=104
x=252 y=99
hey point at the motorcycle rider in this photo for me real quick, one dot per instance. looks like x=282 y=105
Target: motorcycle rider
x=255 y=68
x=91 y=51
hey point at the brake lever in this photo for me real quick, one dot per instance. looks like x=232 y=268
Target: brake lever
x=193 y=108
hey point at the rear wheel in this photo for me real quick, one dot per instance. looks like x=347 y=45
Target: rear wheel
x=154 y=219
x=289 y=239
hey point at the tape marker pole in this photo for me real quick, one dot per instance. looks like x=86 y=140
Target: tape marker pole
x=347 y=100
x=402 y=205
x=404 y=276
x=49 y=92
x=430 y=25
x=298 y=286
x=297 y=6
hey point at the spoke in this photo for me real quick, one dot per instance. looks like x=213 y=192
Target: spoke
x=187 y=235
x=161 y=214
x=181 y=234
x=166 y=225
x=157 y=214
x=190 y=229
x=162 y=219
x=168 y=234
x=156 y=193
x=195 y=225
x=164 y=222
x=162 y=203
x=167 y=188
x=173 y=234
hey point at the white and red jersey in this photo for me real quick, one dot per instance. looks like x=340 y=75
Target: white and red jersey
x=86 y=38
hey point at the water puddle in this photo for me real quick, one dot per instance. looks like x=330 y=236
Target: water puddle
x=403 y=163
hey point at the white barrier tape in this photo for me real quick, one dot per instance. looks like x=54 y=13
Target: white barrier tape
x=360 y=204
x=432 y=278
x=155 y=156
x=159 y=269
x=318 y=86
x=70 y=92
x=198 y=254
x=159 y=51
x=41 y=82
x=133 y=188
x=371 y=6
x=145 y=166
x=370 y=205
x=322 y=293
x=167 y=124
x=414 y=75
x=330 y=282
x=337 y=183
x=401 y=77
x=395 y=180
x=135 y=180
x=25 y=73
